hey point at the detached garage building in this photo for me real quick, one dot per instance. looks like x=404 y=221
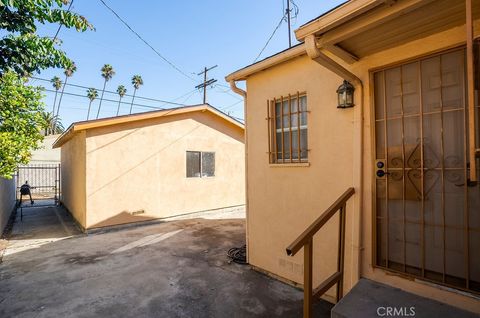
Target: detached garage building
x=152 y=165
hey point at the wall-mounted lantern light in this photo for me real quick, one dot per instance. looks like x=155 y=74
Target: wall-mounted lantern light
x=345 y=95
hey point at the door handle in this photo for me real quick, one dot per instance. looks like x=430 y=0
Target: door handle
x=382 y=173
x=380 y=168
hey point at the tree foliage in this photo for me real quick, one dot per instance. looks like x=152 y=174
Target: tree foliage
x=52 y=124
x=121 y=91
x=92 y=93
x=137 y=81
x=20 y=121
x=21 y=49
x=56 y=82
x=107 y=73
x=23 y=52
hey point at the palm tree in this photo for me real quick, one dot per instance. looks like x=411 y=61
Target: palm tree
x=57 y=84
x=51 y=124
x=121 y=90
x=137 y=81
x=107 y=74
x=68 y=73
x=92 y=93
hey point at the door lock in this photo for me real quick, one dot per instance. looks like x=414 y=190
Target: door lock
x=380 y=169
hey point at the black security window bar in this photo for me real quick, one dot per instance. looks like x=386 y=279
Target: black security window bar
x=200 y=164
x=287 y=121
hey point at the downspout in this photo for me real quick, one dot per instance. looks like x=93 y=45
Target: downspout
x=241 y=92
x=316 y=54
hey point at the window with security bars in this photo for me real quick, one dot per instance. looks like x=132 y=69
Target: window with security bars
x=200 y=164
x=287 y=126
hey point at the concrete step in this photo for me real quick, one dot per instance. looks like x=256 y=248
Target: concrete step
x=372 y=299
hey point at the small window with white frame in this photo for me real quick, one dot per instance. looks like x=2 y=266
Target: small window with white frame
x=287 y=126
x=200 y=164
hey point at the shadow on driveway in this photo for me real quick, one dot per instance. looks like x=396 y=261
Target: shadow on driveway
x=174 y=269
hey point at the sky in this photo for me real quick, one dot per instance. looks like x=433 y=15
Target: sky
x=190 y=34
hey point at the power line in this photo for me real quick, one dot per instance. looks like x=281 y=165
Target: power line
x=60 y=25
x=144 y=41
x=289 y=18
x=188 y=93
x=206 y=82
x=270 y=38
x=189 y=96
x=218 y=84
x=228 y=93
x=112 y=92
x=289 y=26
x=234 y=104
x=237 y=118
x=110 y=100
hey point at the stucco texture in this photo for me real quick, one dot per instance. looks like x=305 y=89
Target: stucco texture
x=7 y=201
x=73 y=178
x=284 y=200
x=136 y=171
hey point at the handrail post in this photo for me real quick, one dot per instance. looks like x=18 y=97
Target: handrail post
x=341 y=250
x=305 y=240
x=307 y=278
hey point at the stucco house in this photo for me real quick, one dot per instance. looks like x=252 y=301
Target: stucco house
x=374 y=119
x=152 y=165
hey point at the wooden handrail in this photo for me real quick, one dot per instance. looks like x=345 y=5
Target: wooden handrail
x=305 y=240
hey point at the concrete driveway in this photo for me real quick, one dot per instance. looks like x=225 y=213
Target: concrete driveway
x=172 y=269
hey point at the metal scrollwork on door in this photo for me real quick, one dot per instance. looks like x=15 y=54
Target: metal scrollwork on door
x=413 y=171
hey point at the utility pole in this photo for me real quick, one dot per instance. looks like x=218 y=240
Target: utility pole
x=288 y=20
x=205 y=82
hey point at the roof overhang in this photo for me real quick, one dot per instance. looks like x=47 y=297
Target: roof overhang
x=335 y=17
x=110 y=121
x=276 y=59
x=360 y=28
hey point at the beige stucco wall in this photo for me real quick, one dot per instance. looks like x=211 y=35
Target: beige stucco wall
x=7 y=200
x=73 y=178
x=141 y=166
x=283 y=201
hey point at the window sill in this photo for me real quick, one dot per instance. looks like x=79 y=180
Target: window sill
x=289 y=165
x=195 y=178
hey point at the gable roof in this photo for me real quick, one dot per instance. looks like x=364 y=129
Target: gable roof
x=110 y=121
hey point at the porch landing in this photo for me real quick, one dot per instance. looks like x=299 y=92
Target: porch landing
x=372 y=299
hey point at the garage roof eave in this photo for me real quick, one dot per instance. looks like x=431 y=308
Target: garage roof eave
x=96 y=123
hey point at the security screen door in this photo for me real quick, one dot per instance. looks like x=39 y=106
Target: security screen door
x=427 y=211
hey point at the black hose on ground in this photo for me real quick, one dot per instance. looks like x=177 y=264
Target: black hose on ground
x=238 y=255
